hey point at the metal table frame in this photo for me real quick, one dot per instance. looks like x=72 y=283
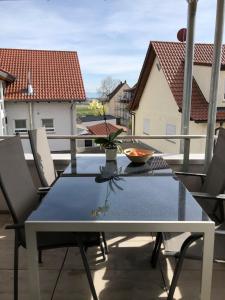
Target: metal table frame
x=205 y=227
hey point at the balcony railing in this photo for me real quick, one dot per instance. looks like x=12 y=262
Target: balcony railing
x=73 y=141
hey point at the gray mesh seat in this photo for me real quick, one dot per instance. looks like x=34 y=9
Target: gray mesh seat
x=45 y=165
x=42 y=156
x=208 y=190
x=22 y=198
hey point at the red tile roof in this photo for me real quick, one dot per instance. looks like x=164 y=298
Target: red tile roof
x=171 y=58
x=101 y=129
x=56 y=75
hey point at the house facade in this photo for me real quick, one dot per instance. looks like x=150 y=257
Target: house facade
x=157 y=102
x=41 y=92
x=117 y=103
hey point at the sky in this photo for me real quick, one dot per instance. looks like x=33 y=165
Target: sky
x=110 y=36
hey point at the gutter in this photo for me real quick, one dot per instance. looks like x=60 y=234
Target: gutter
x=72 y=131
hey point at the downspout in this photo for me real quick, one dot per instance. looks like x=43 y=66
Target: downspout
x=72 y=118
x=214 y=83
x=188 y=74
x=31 y=121
x=73 y=146
x=4 y=125
x=133 y=122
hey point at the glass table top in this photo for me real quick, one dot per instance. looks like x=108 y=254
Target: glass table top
x=101 y=191
x=96 y=164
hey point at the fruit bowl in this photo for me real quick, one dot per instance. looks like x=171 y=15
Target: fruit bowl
x=138 y=155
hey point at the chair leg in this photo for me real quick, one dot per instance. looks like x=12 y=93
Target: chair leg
x=87 y=269
x=16 y=265
x=105 y=243
x=179 y=264
x=103 y=251
x=156 y=250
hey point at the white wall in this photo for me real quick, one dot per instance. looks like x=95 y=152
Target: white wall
x=1 y=109
x=159 y=107
x=60 y=112
x=202 y=75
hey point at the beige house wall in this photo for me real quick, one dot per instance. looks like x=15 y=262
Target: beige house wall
x=159 y=109
x=202 y=75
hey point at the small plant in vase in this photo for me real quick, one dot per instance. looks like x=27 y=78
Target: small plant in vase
x=110 y=144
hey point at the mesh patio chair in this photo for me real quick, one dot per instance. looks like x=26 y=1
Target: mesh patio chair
x=22 y=198
x=208 y=190
x=42 y=156
x=45 y=165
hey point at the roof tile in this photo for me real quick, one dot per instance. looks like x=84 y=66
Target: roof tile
x=56 y=75
x=171 y=56
x=102 y=129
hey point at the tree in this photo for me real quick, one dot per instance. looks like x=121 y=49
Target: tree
x=97 y=108
x=107 y=85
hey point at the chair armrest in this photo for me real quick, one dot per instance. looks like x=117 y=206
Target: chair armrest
x=190 y=174
x=208 y=196
x=14 y=226
x=59 y=172
x=43 y=190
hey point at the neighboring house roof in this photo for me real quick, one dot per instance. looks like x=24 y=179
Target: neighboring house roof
x=6 y=76
x=131 y=89
x=90 y=118
x=171 y=58
x=116 y=90
x=102 y=129
x=55 y=75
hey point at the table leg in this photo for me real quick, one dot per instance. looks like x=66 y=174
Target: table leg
x=33 y=269
x=207 y=263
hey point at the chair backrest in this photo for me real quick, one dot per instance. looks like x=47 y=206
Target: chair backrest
x=15 y=180
x=42 y=156
x=214 y=183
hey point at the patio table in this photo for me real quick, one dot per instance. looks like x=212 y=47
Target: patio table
x=119 y=197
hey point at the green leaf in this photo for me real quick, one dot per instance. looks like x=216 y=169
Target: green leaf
x=113 y=135
x=101 y=141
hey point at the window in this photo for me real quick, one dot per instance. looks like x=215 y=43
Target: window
x=21 y=126
x=146 y=126
x=170 y=130
x=48 y=124
x=88 y=143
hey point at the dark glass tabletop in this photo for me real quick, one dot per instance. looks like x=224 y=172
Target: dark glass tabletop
x=118 y=192
x=95 y=164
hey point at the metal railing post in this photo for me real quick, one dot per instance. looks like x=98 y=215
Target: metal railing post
x=73 y=153
x=214 y=83
x=186 y=155
x=187 y=88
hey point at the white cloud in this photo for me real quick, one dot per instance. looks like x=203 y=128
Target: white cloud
x=111 y=36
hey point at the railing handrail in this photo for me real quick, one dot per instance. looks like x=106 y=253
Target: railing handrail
x=73 y=139
x=122 y=137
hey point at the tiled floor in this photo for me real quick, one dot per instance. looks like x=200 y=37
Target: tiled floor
x=126 y=275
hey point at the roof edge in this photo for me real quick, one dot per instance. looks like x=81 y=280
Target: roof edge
x=143 y=77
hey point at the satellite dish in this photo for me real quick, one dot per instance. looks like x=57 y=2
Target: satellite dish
x=182 y=34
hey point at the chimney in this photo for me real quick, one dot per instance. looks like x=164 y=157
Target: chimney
x=30 y=90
